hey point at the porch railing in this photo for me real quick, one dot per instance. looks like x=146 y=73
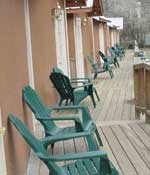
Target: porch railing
x=142 y=89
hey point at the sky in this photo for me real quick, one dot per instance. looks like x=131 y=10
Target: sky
x=89 y=3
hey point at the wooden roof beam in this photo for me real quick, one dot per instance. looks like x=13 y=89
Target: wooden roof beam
x=79 y=10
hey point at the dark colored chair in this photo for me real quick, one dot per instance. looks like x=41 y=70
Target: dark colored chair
x=76 y=81
x=69 y=93
x=86 y=163
x=44 y=115
x=97 y=70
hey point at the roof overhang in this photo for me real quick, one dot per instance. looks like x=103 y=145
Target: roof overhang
x=92 y=7
x=116 y=22
x=101 y=19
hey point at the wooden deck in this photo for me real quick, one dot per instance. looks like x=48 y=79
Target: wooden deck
x=117 y=94
x=126 y=140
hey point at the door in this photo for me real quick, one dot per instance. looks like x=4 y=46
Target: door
x=61 y=43
x=2 y=151
x=112 y=38
x=79 y=48
x=101 y=38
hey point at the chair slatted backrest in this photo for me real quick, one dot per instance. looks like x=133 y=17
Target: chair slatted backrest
x=33 y=142
x=62 y=84
x=115 y=50
x=102 y=56
x=112 y=52
x=91 y=60
x=37 y=106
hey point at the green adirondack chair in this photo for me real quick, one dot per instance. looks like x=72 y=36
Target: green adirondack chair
x=44 y=115
x=121 y=49
x=86 y=163
x=107 y=59
x=75 y=81
x=114 y=57
x=118 y=52
x=67 y=92
x=97 y=70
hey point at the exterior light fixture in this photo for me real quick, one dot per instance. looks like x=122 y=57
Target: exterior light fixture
x=57 y=11
x=84 y=21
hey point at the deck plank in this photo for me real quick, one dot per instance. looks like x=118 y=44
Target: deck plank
x=133 y=156
x=107 y=148
x=138 y=145
x=121 y=156
x=143 y=136
x=113 y=105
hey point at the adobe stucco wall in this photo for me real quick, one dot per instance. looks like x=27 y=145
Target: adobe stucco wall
x=96 y=39
x=43 y=47
x=13 y=76
x=87 y=44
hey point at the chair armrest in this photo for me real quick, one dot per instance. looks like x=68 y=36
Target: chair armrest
x=74 y=118
x=84 y=85
x=52 y=139
x=86 y=116
x=65 y=108
x=70 y=156
x=79 y=79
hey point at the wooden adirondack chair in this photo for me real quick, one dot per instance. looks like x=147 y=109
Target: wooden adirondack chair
x=107 y=59
x=75 y=81
x=106 y=67
x=44 y=115
x=114 y=56
x=68 y=92
x=86 y=163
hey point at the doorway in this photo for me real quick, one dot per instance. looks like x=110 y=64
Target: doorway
x=61 y=43
x=79 y=47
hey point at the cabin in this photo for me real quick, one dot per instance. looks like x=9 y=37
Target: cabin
x=37 y=36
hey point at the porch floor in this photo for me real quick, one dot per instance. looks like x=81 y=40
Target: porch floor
x=126 y=140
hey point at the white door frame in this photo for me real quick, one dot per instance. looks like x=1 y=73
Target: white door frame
x=93 y=40
x=67 y=41
x=101 y=38
x=3 y=170
x=29 y=51
x=61 y=43
x=79 y=56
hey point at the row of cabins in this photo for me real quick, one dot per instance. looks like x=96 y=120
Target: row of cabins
x=32 y=42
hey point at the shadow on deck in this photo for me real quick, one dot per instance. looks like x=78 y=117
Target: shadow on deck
x=126 y=140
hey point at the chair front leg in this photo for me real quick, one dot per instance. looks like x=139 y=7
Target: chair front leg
x=111 y=73
x=98 y=137
x=90 y=92
x=116 y=61
x=96 y=94
x=66 y=102
x=91 y=143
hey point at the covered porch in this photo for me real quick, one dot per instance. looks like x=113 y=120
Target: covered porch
x=126 y=140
